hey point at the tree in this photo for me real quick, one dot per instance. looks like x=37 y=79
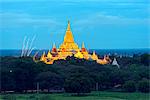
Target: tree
x=7 y=82
x=145 y=59
x=80 y=75
x=49 y=80
x=129 y=86
x=144 y=86
x=78 y=81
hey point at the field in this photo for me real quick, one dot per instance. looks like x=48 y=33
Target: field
x=92 y=96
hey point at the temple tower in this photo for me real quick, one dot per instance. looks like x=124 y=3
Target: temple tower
x=68 y=44
x=68 y=36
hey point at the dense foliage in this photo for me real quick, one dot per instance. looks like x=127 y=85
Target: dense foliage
x=144 y=86
x=75 y=75
x=129 y=86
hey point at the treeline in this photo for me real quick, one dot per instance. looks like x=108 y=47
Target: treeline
x=75 y=75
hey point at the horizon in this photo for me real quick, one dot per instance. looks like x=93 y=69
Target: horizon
x=92 y=49
x=102 y=24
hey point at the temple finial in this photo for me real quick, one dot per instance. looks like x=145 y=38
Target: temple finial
x=68 y=28
x=83 y=45
x=54 y=46
x=93 y=52
x=49 y=54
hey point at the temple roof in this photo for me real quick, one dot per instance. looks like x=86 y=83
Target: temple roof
x=68 y=36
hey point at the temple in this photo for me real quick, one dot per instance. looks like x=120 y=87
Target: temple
x=70 y=48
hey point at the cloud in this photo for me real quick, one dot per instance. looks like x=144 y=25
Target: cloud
x=101 y=19
x=21 y=19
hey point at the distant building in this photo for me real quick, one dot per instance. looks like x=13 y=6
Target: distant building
x=115 y=63
x=70 y=48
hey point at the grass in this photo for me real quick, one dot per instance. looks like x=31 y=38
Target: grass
x=91 y=96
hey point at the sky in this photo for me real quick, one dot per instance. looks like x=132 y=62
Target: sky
x=100 y=24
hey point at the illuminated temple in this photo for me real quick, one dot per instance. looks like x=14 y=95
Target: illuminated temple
x=70 y=48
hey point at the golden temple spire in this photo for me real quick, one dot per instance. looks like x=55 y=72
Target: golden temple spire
x=94 y=53
x=83 y=45
x=42 y=57
x=68 y=36
x=54 y=46
x=68 y=27
x=49 y=54
x=94 y=56
x=83 y=49
x=54 y=49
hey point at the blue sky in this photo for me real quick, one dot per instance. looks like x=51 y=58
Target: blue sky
x=101 y=24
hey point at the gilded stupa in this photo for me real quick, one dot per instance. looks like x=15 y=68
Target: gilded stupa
x=70 y=48
x=68 y=43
